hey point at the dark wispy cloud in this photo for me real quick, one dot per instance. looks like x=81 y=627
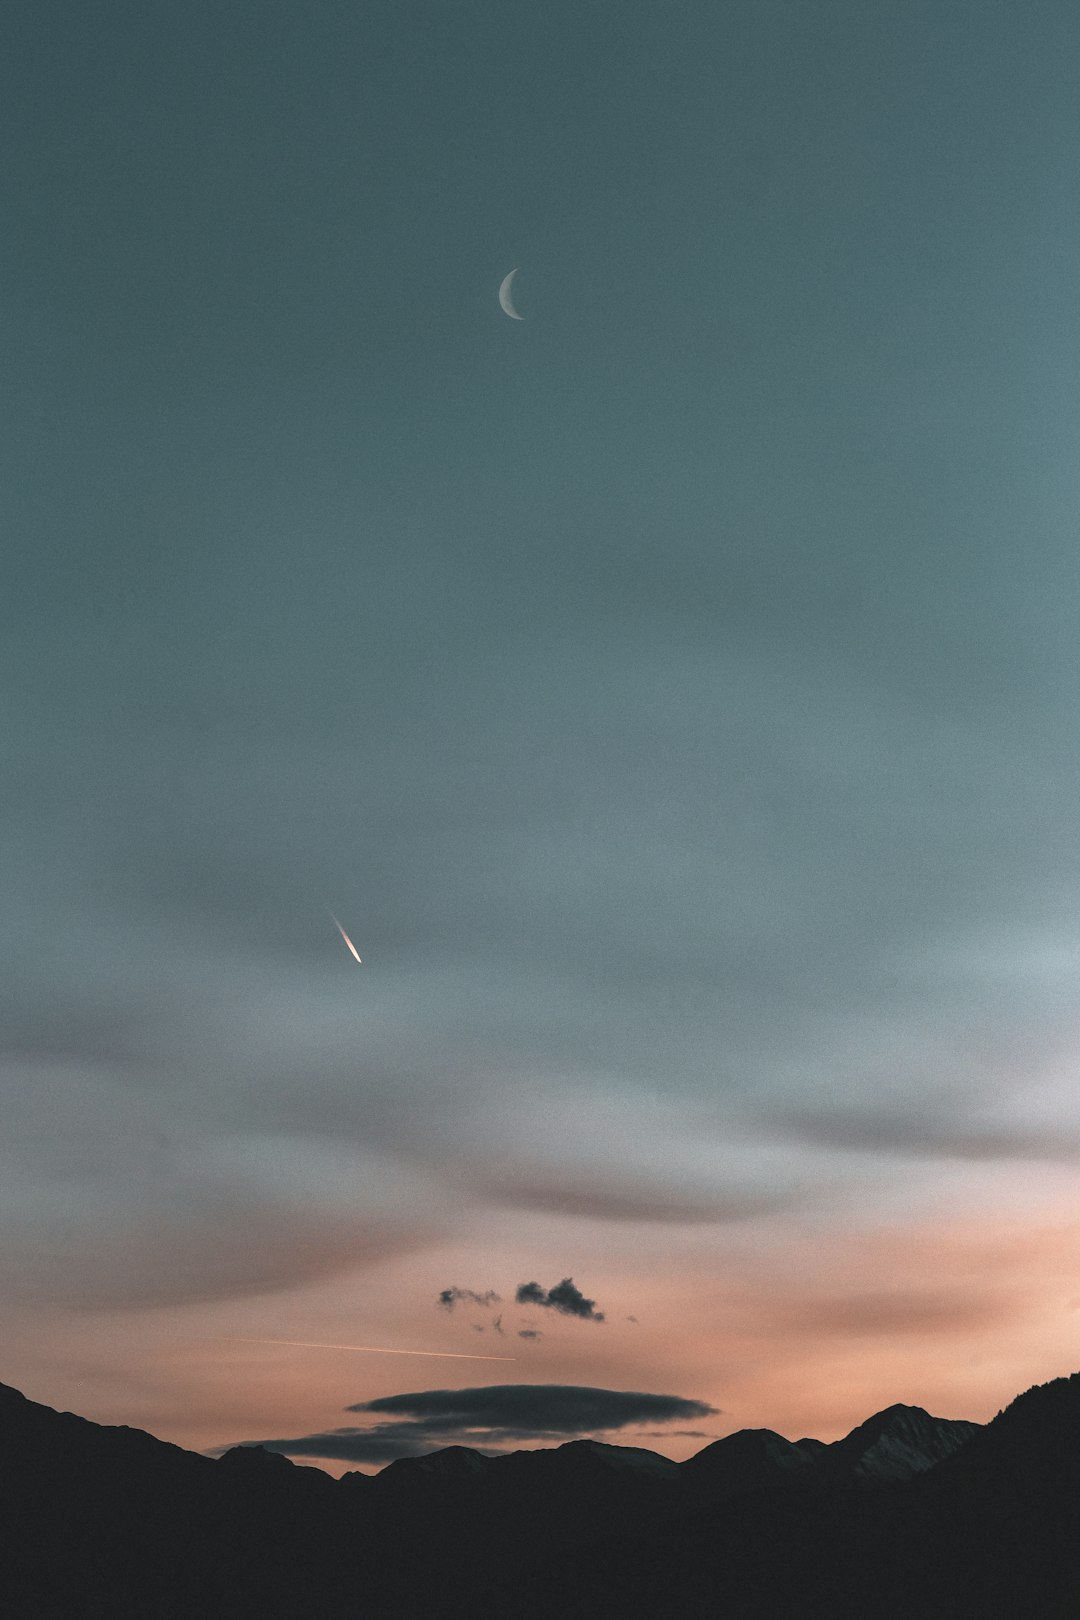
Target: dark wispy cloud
x=149 y=1206
x=544 y=1409
x=70 y=1028
x=564 y=1298
x=380 y=1445
x=490 y=1419
x=529 y=1333
x=937 y=1135
x=455 y=1296
x=625 y=1196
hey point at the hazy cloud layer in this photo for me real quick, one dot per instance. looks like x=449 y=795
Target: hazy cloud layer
x=131 y=1200
x=883 y=1313
x=490 y=1419
x=564 y=1298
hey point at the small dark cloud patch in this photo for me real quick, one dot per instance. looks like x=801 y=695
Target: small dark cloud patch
x=530 y=1333
x=468 y=1296
x=564 y=1298
x=497 y=1325
x=491 y=1419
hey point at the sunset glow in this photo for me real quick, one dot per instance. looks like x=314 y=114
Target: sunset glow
x=670 y=670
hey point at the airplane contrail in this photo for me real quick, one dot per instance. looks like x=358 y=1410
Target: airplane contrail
x=347 y=940
x=373 y=1349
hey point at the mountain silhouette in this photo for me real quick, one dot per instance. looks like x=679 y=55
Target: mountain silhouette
x=908 y=1515
x=897 y=1444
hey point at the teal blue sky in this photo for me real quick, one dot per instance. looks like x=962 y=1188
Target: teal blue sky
x=674 y=693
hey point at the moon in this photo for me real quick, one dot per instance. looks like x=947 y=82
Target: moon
x=506 y=298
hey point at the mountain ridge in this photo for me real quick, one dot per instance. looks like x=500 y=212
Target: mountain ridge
x=948 y=1519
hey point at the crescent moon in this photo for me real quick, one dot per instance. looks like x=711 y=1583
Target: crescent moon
x=506 y=298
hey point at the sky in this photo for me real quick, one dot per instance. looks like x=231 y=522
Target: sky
x=673 y=693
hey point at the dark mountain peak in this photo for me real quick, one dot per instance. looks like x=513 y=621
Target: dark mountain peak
x=747 y=1444
x=1051 y=1403
x=898 y=1443
x=896 y=1418
x=748 y=1460
x=450 y=1460
x=580 y=1470
x=31 y=1432
x=451 y=1463
x=1037 y=1437
x=599 y=1453
x=255 y=1459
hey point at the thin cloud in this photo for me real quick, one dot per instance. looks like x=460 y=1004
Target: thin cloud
x=380 y=1445
x=916 y=1136
x=565 y=1298
x=895 y=1311
x=529 y=1333
x=630 y=1198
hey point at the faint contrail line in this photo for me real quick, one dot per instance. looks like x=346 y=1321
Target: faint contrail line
x=373 y=1349
x=347 y=940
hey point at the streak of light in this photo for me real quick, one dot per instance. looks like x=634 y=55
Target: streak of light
x=347 y=940
x=372 y=1349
